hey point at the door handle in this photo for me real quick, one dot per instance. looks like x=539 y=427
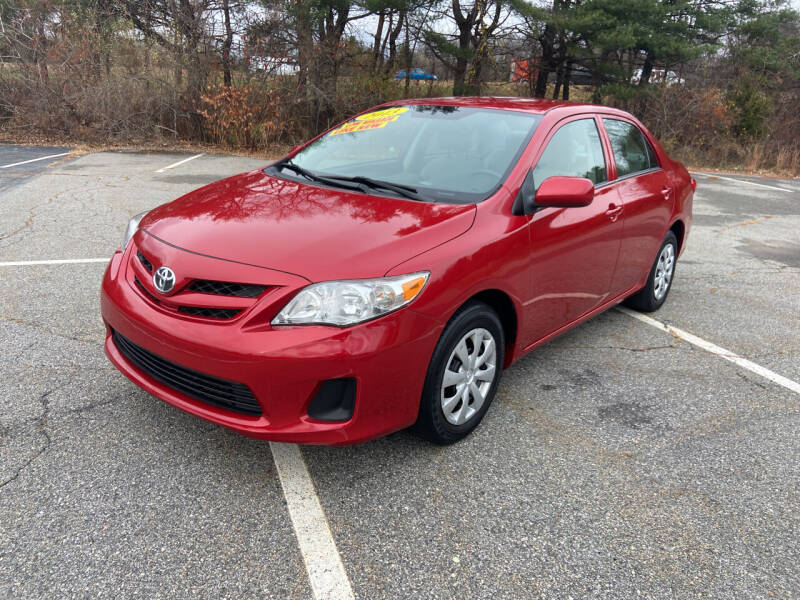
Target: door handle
x=666 y=192
x=613 y=212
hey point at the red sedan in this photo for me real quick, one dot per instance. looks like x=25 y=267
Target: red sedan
x=384 y=274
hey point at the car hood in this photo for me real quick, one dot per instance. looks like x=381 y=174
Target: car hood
x=315 y=232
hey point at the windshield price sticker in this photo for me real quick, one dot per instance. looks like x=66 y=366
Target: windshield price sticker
x=374 y=120
x=382 y=114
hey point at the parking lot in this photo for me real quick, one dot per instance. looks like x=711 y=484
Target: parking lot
x=619 y=460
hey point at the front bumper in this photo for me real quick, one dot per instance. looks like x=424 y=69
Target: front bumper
x=282 y=366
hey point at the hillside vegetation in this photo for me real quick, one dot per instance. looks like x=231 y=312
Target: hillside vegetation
x=717 y=82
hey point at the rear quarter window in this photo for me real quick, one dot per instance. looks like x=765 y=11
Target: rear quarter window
x=632 y=152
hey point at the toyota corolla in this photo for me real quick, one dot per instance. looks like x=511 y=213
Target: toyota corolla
x=385 y=274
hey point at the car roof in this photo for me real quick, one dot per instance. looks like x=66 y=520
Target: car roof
x=532 y=105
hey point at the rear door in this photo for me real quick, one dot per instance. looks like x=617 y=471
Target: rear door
x=573 y=250
x=646 y=197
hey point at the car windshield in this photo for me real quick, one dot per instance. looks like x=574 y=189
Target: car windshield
x=449 y=154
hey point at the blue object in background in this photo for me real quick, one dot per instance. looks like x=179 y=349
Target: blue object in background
x=417 y=74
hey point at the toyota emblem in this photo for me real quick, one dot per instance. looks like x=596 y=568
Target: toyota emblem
x=164 y=279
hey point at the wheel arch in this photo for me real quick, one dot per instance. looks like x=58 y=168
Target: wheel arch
x=679 y=229
x=502 y=304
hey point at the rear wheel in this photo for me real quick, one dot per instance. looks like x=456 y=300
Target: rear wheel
x=659 y=282
x=463 y=375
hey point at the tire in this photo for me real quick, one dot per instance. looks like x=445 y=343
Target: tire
x=656 y=290
x=444 y=415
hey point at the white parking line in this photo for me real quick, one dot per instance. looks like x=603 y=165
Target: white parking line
x=714 y=349
x=25 y=162
x=326 y=572
x=324 y=565
x=71 y=261
x=769 y=187
x=179 y=163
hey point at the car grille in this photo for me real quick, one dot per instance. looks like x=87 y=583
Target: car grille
x=226 y=288
x=209 y=313
x=226 y=394
x=145 y=291
x=179 y=301
x=145 y=263
x=195 y=311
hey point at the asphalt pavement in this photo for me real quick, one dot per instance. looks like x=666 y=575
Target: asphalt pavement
x=617 y=461
x=19 y=163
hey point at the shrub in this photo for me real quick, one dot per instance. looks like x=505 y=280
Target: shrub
x=752 y=108
x=248 y=116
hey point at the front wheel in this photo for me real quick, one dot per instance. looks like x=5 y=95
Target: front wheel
x=463 y=375
x=659 y=282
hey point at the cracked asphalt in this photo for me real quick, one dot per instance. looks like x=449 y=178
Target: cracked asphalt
x=617 y=461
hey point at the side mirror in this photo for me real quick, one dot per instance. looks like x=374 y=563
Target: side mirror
x=565 y=192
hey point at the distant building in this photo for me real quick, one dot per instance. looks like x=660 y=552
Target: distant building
x=659 y=77
x=523 y=69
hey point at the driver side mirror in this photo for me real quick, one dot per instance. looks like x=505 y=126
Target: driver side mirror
x=565 y=192
x=556 y=191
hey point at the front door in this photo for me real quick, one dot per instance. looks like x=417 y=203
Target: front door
x=573 y=250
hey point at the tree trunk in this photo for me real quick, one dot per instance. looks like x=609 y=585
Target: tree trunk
x=40 y=53
x=395 y=33
x=376 y=43
x=385 y=42
x=473 y=85
x=178 y=44
x=227 y=44
x=540 y=89
x=460 y=72
x=530 y=69
x=305 y=44
x=102 y=57
x=597 y=82
x=190 y=25
x=559 y=80
x=195 y=77
x=305 y=56
x=324 y=67
x=567 y=75
x=459 y=77
x=647 y=69
x=547 y=40
x=407 y=52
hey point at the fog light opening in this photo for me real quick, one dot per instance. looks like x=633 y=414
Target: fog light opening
x=335 y=400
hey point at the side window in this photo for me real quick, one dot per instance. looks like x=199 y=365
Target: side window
x=574 y=151
x=632 y=152
x=651 y=154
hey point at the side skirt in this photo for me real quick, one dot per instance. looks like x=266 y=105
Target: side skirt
x=584 y=317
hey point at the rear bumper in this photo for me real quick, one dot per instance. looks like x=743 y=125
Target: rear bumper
x=283 y=367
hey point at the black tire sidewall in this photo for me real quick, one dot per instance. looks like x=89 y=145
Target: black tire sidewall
x=431 y=422
x=650 y=302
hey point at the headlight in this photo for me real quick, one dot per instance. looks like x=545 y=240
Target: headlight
x=133 y=225
x=344 y=303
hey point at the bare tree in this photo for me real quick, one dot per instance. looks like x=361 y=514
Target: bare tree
x=180 y=27
x=467 y=50
x=227 y=44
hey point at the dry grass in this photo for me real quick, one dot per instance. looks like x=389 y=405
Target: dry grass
x=127 y=111
x=143 y=145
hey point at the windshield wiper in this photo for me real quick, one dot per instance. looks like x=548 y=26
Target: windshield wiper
x=339 y=181
x=402 y=190
x=313 y=176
